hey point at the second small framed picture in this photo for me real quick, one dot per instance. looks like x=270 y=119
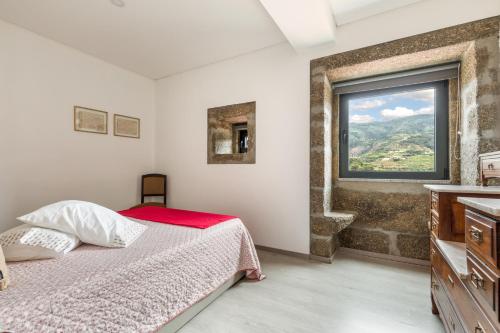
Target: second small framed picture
x=129 y=127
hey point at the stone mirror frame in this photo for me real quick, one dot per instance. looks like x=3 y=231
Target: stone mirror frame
x=231 y=134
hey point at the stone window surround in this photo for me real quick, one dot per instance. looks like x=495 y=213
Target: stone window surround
x=441 y=46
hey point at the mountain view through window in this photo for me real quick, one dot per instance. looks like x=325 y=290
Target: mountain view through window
x=393 y=132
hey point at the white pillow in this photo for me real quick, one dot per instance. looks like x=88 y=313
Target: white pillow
x=91 y=223
x=29 y=243
x=4 y=272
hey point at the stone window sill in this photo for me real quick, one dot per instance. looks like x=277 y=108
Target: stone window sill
x=417 y=181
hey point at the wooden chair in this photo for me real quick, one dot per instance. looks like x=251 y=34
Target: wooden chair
x=154 y=185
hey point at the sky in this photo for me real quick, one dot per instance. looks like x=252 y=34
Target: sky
x=391 y=106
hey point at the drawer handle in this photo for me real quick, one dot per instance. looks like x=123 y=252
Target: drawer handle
x=434 y=285
x=476 y=234
x=491 y=166
x=451 y=280
x=434 y=202
x=479 y=328
x=434 y=225
x=450 y=319
x=476 y=280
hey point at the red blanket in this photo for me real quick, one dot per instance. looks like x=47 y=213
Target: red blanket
x=185 y=218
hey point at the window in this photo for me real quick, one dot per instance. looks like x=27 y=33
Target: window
x=394 y=132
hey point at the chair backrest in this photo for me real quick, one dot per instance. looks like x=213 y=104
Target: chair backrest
x=154 y=185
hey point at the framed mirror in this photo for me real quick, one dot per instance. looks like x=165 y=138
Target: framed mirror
x=231 y=134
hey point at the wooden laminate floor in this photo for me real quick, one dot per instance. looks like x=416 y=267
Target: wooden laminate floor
x=355 y=294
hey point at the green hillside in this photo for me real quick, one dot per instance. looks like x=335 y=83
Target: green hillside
x=404 y=144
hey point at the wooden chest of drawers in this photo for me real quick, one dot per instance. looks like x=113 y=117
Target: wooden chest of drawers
x=464 y=224
x=464 y=258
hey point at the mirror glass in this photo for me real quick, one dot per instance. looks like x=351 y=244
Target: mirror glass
x=231 y=138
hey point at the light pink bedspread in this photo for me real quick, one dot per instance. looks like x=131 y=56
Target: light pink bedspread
x=134 y=289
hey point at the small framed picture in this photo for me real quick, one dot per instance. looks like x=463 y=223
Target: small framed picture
x=129 y=127
x=90 y=120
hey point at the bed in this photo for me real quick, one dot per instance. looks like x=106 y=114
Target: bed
x=157 y=284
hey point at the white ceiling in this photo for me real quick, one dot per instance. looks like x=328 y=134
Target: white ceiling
x=158 y=38
x=347 y=11
x=155 y=38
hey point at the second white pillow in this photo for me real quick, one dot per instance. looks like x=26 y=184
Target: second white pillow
x=91 y=223
x=27 y=242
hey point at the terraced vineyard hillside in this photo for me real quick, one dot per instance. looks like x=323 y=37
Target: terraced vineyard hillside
x=403 y=144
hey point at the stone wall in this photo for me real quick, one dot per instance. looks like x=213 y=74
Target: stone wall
x=392 y=216
x=322 y=242
x=480 y=105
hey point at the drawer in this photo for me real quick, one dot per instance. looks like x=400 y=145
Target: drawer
x=434 y=226
x=435 y=204
x=438 y=291
x=474 y=319
x=483 y=285
x=436 y=259
x=451 y=280
x=480 y=236
x=446 y=310
x=441 y=267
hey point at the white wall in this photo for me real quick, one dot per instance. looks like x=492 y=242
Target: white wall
x=41 y=158
x=272 y=196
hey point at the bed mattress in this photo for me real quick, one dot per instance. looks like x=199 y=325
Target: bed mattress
x=135 y=289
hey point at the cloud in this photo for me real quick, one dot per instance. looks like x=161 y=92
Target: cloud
x=426 y=95
x=361 y=119
x=397 y=112
x=401 y=112
x=367 y=104
x=426 y=110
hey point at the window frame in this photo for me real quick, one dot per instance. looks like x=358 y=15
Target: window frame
x=441 y=134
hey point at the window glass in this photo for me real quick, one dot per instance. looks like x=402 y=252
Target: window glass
x=393 y=132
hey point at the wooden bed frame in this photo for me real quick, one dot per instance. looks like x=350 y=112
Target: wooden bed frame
x=175 y=324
